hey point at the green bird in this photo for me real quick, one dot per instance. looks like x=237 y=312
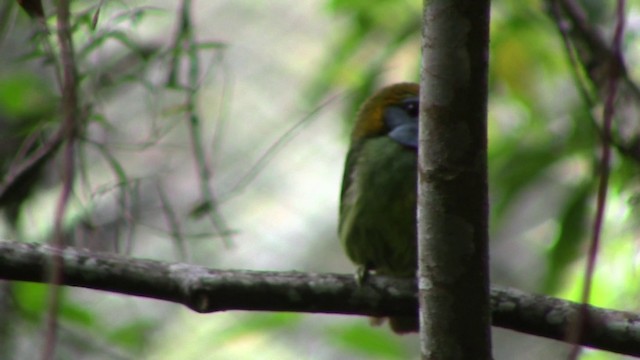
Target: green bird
x=377 y=224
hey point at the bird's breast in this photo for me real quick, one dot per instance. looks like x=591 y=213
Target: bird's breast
x=377 y=215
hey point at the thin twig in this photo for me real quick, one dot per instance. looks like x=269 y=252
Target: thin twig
x=272 y=151
x=596 y=41
x=615 y=74
x=18 y=170
x=185 y=39
x=574 y=61
x=575 y=14
x=226 y=94
x=69 y=126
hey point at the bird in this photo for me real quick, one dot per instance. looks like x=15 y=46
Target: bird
x=377 y=215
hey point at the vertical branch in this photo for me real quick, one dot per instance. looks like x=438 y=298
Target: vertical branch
x=453 y=278
x=69 y=129
x=615 y=72
x=185 y=38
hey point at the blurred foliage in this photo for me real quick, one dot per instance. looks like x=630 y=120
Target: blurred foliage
x=260 y=334
x=110 y=61
x=539 y=127
x=27 y=109
x=542 y=134
x=543 y=144
x=357 y=61
x=367 y=341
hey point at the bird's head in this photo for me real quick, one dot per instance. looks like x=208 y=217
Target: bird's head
x=392 y=111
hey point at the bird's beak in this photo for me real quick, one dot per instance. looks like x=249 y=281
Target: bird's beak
x=406 y=135
x=403 y=128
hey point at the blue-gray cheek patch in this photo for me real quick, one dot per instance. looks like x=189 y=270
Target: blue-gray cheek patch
x=406 y=134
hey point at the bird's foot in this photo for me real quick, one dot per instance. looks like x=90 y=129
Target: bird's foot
x=362 y=274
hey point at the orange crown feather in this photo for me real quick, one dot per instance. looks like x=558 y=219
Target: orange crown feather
x=370 y=117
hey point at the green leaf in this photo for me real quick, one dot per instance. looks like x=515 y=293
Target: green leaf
x=570 y=237
x=259 y=323
x=133 y=335
x=369 y=341
x=77 y=314
x=23 y=95
x=31 y=298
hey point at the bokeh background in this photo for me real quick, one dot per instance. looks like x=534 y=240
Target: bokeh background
x=275 y=92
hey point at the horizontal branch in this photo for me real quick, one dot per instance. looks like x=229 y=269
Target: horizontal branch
x=206 y=290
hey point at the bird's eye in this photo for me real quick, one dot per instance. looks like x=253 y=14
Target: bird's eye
x=411 y=108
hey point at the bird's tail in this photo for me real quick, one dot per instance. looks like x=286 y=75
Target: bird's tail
x=399 y=324
x=404 y=324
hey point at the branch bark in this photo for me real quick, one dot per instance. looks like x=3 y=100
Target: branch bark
x=453 y=212
x=207 y=290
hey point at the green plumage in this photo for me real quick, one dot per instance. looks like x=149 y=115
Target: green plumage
x=378 y=200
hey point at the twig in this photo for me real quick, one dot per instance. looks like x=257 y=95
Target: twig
x=19 y=170
x=615 y=72
x=185 y=38
x=69 y=131
x=273 y=149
